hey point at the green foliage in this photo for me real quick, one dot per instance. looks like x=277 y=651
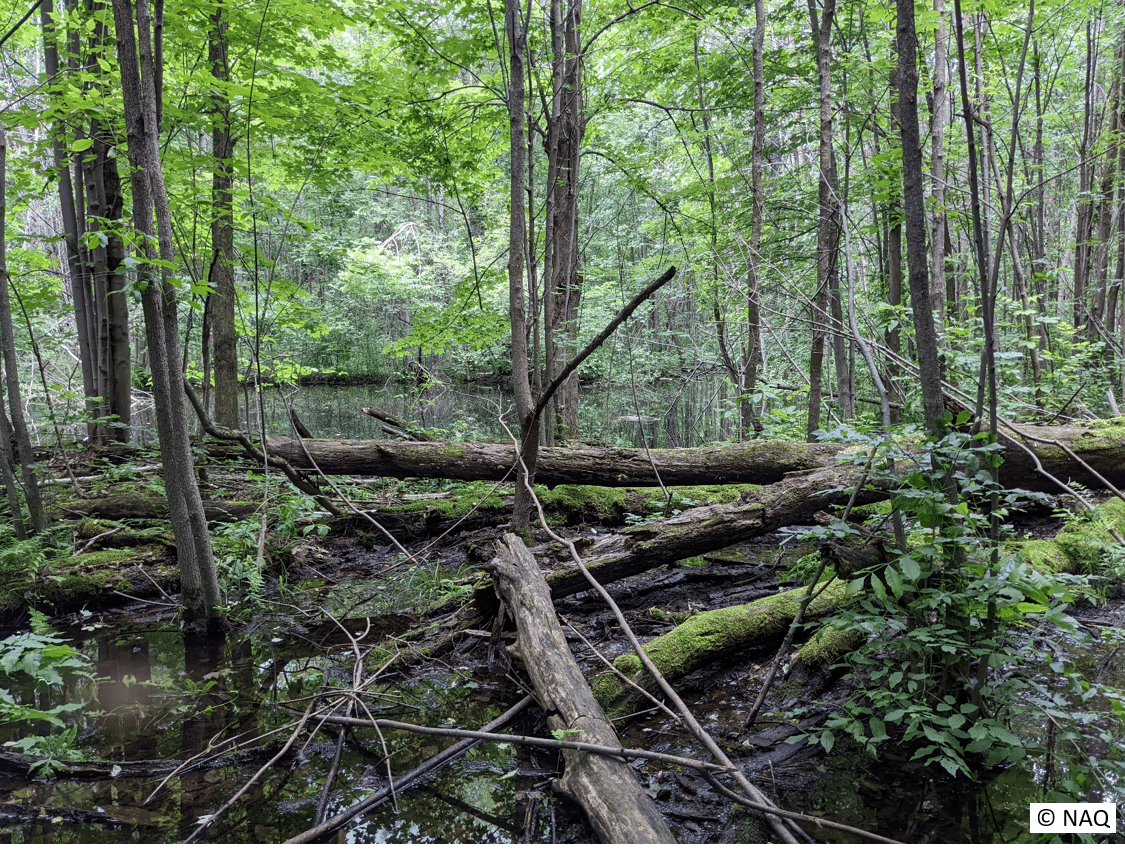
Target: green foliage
x=946 y=623
x=32 y=665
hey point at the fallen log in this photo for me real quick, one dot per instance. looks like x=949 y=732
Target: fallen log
x=760 y=462
x=701 y=530
x=1101 y=444
x=608 y=790
x=705 y=637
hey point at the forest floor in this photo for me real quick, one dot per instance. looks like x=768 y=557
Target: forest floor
x=419 y=617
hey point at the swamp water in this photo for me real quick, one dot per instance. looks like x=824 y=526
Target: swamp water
x=158 y=700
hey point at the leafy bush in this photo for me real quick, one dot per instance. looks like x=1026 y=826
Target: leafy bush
x=946 y=623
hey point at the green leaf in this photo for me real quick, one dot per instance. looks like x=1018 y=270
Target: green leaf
x=894 y=581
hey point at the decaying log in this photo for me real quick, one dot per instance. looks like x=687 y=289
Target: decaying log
x=608 y=790
x=701 y=530
x=1100 y=444
x=119 y=507
x=760 y=462
x=707 y=636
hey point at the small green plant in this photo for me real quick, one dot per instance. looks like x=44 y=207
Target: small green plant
x=32 y=664
x=54 y=751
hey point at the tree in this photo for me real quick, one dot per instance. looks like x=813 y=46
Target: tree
x=91 y=206
x=219 y=310
x=15 y=432
x=914 y=218
x=202 y=600
x=516 y=29
x=562 y=275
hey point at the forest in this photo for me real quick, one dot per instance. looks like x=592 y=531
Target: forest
x=634 y=421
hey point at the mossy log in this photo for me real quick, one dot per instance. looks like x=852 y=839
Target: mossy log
x=701 y=530
x=120 y=507
x=759 y=462
x=474 y=506
x=1101 y=444
x=710 y=635
x=618 y=807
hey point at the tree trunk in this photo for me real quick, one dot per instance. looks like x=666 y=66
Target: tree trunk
x=828 y=230
x=563 y=280
x=220 y=302
x=754 y=462
x=517 y=243
x=11 y=368
x=1101 y=444
x=199 y=581
x=937 y=165
x=753 y=365
x=914 y=218
x=79 y=279
x=701 y=530
x=618 y=807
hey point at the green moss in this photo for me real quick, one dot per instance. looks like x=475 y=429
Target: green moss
x=1046 y=556
x=712 y=633
x=1101 y=435
x=1080 y=547
x=827 y=646
x=574 y=502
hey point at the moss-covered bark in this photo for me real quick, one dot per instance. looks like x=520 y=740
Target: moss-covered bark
x=713 y=634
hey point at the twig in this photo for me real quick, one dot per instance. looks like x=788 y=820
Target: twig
x=742 y=800
x=523 y=740
x=299 y=727
x=423 y=769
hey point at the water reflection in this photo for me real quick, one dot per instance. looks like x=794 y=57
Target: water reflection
x=668 y=414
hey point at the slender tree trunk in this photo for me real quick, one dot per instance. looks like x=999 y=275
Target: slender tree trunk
x=914 y=218
x=517 y=239
x=198 y=578
x=937 y=166
x=828 y=235
x=11 y=368
x=1085 y=183
x=564 y=281
x=221 y=300
x=79 y=279
x=754 y=362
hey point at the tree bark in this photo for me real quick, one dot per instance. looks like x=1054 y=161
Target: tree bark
x=517 y=292
x=563 y=279
x=914 y=218
x=11 y=370
x=608 y=790
x=764 y=461
x=202 y=599
x=701 y=530
x=220 y=302
x=1101 y=444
